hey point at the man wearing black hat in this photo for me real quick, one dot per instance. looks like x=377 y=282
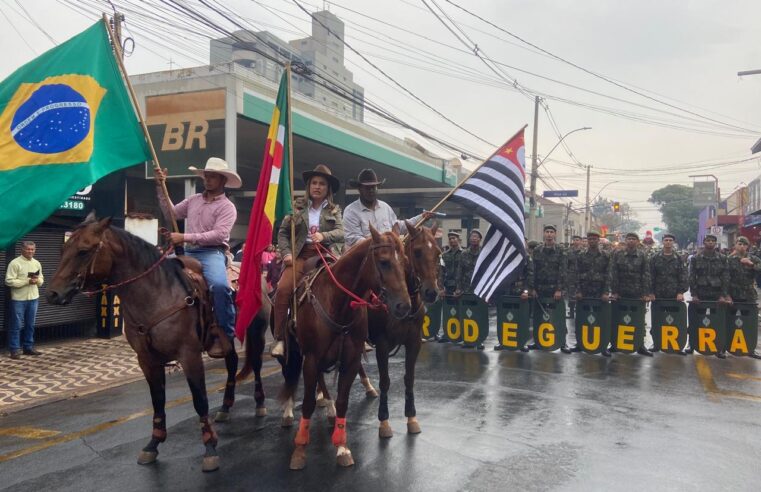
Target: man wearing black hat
x=468 y=262
x=360 y=214
x=709 y=279
x=547 y=271
x=630 y=276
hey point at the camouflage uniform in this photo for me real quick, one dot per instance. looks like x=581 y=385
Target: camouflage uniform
x=451 y=269
x=742 y=278
x=468 y=260
x=709 y=276
x=630 y=274
x=548 y=270
x=593 y=273
x=668 y=274
x=517 y=286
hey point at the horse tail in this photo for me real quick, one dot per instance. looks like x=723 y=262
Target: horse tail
x=254 y=342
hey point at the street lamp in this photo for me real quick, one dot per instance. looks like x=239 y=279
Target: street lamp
x=535 y=173
x=587 y=214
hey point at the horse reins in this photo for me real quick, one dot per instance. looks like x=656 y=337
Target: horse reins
x=357 y=302
x=106 y=288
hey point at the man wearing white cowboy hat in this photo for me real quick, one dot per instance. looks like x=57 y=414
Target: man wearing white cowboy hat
x=370 y=210
x=209 y=218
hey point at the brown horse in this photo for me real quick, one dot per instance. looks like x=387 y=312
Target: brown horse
x=161 y=313
x=331 y=334
x=387 y=332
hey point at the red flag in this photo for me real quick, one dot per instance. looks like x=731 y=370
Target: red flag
x=272 y=202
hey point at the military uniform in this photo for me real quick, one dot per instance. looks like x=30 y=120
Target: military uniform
x=468 y=260
x=630 y=274
x=520 y=284
x=709 y=276
x=668 y=274
x=592 y=273
x=742 y=278
x=548 y=270
x=451 y=270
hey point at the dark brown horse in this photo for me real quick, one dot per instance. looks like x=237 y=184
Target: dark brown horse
x=388 y=332
x=161 y=314
x=331 y=334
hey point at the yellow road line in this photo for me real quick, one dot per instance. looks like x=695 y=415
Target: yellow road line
x=712 y=390
x=28 y=432
x=743 y=376
x=107 y=425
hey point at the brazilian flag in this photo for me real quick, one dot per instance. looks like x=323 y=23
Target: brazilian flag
x=66 y=121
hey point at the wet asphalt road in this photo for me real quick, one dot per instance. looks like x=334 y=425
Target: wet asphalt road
x=490 y=420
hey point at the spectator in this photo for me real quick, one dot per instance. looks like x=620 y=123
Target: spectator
x=24 y=277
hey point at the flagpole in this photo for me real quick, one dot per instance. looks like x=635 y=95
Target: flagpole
x=133 y=97
x=290 y=183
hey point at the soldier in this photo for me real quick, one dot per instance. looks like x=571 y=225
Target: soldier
x=709 y=279
x=547 y=272
x=468 y=260
x=630 y=277
x=573 y=255
x=668 y=274
x=519 y=286
x=451 y=268
x=743 y=268
x=592 y=275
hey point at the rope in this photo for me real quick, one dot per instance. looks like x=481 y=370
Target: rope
x=357 y=302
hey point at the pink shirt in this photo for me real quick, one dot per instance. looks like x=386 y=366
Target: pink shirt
x=208 y=223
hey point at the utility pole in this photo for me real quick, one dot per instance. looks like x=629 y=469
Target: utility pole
x=531 y=234
x=587 y=225
x=116 y=26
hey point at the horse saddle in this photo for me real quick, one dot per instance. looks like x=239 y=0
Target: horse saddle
x=213 y=340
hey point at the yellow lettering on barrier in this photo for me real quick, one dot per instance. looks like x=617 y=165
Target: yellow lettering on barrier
x=706 y=339
x=625 y=339
x=453 y=328
x=738 y=345
x=426 y=325
x=469 y=331
x=669 y=337
x=509 y=335
x=546 y=336
x=586 y=342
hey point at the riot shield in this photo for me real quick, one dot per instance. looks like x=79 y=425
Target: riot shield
x=592 y=325
x=707 y=326
x=549 y=323
x=474 y=320
x=669 y=330
x=628 y=328
x=451 y=316
x=432 y=320
x=742 y=328
x=513 y=327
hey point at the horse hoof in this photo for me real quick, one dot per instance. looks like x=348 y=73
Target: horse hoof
x=385 y=431
x=286 y=422
x=371 y=393
x=222 y=416
x=210 y=463
x=299 y=458
x=261 y=412
x=413 y=428
x=344 y=458
x=147 y=457
x=322 y=402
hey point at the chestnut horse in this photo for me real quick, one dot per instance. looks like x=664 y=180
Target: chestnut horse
x=161 y=316
x=330 y=332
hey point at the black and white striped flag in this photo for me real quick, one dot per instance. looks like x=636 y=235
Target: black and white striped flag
x=496 y=191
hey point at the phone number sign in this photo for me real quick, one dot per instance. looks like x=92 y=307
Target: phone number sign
x=77 y=204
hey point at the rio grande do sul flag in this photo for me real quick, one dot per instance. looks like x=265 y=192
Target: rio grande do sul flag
x=65 y=122
x=272 y=203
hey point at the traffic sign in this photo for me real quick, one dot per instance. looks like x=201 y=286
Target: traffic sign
x=560 y=193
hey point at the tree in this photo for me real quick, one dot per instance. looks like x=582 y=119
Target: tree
x=624 y=220
x=680 y=216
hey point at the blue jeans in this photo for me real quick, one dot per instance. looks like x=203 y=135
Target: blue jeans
x=215 y=273
x=22 y=314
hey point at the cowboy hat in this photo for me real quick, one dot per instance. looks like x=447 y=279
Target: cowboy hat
x=366 y=177
x=324 y=171
x=219 y=166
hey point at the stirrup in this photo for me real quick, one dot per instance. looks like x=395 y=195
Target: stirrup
x=278 y=350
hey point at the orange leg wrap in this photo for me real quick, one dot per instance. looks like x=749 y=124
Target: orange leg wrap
x=339 y=432
x=302 y=436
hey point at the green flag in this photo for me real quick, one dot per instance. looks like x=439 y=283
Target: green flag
x=65 y=122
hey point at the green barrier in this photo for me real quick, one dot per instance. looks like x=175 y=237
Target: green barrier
x=432 y=320
x=549 y=323
x=513 y=323
x=669 y=330
x=451 y=316
x=707 y=326
x=742 y=328
x=628 y=332
x=474 y=321
x=592 y=325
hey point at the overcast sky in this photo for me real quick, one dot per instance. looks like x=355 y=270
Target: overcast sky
x=683 y=54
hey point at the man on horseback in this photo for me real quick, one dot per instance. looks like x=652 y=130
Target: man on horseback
x=209 y=218
x=319 y=223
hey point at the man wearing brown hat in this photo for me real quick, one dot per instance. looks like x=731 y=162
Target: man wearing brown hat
x=369 y=210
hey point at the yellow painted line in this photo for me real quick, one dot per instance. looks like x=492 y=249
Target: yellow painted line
x=712 y=390
x=743 y=376
x=28 y=432
x=107 y=425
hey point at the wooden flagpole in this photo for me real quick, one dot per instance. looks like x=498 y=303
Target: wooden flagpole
x=290 y=183
x=133 y=97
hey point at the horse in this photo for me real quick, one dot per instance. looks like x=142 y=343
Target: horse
x=330 y=332
x=162 y=311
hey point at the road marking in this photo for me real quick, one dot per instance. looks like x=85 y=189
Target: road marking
x=28 y=432
x=108 y=425
x=712 y=390
x=743 y=376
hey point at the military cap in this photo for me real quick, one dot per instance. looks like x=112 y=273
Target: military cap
x=575 y=236
x=533 y=244
x=632 y=235
x=550 y=226
x=476 y=231
x=593 y=233
x=743 y=240
x=709 y=236
x=668 y=234
x=453 y=233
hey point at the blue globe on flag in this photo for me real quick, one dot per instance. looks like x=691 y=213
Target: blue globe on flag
x=55 y=118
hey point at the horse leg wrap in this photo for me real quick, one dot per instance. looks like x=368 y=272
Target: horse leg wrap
x=339 y=432
x=159 y=428
x=409 y=404
x=302 y=436
x=207 y=432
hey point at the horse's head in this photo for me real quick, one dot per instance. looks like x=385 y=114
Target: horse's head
x=86 y=261
x=423 y=254
x=388 y=259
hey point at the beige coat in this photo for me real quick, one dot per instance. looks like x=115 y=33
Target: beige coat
x=331 y=226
